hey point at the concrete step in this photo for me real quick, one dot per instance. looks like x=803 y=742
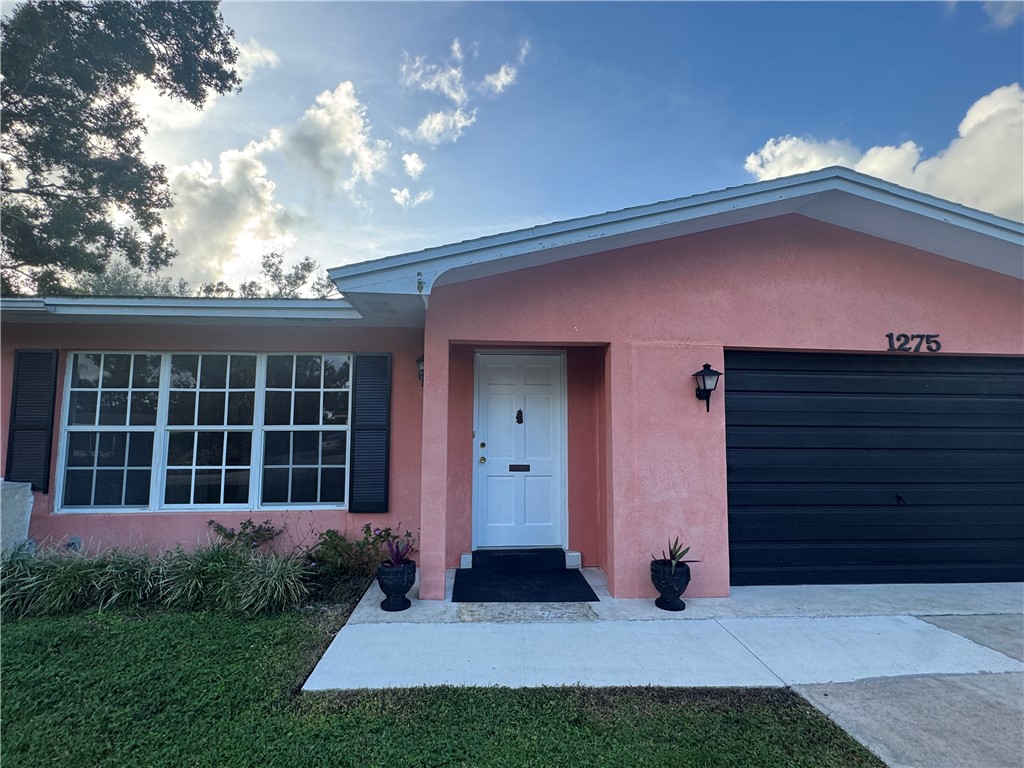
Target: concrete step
x=528 y=559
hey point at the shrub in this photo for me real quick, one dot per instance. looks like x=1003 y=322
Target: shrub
x=208 y=579
x=272 y=583
x=341 y=568
x=125 y=580
x=248 y=536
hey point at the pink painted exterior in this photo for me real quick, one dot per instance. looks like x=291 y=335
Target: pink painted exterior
x=637 y=323
x=156 y=531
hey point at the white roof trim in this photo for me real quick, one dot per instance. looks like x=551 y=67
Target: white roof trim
x=99 y=307
x=836 y=195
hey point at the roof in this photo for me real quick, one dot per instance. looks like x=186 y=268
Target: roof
x=834 y=195
x=183 y=311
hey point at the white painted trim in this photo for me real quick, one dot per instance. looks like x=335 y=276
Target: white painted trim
x=564 y=432
x=417 y=272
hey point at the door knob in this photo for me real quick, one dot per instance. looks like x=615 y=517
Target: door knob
x=483 y=459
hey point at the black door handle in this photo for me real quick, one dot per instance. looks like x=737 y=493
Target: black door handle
x=519 y=416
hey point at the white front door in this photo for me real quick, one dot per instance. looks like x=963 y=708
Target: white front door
x=519 y=489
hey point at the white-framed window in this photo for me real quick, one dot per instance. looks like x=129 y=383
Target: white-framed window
x=189 y=430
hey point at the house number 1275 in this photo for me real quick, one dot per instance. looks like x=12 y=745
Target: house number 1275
x=912 y=342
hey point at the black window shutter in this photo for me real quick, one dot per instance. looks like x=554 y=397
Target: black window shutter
x=371 y=433
x=31 y=430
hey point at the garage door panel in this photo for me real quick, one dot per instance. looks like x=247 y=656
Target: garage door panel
x=1010 y=461
x=779 y=495
x=889 y=384
x=856 y=438
x=874 y=468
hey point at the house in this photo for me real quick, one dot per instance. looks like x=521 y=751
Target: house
x=869 y=424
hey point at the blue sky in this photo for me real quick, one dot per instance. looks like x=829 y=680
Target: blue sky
x=369 y=129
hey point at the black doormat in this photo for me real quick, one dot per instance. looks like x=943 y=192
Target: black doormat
x=476 y=585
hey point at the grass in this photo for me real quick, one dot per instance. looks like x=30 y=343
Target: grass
x=203 y=689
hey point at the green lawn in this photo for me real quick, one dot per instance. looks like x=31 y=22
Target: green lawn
x=176 y=689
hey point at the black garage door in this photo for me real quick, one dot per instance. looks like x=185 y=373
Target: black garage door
x=874 y=468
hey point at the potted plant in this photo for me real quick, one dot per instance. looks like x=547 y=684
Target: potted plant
x=396 y=574
x=670 y=575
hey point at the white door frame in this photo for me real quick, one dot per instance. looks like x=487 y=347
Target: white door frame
x=563 y=425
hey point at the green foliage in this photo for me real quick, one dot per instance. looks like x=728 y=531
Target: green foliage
x=120 y=279
x=249 y=534
x=221 y=577
x=340 y=567
x=275 y=281
x=174 y=689
x=75 y=187
x=675 y=554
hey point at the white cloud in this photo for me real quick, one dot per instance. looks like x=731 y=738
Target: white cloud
x=496 y=82
x=333 y=138
x=164 y=113
x=439 y=127
x=445 y=79
x=983 y=167
x=523 y=50
x=405 y=198
x=413 y=164
x=1004 y=15
x=225 y=219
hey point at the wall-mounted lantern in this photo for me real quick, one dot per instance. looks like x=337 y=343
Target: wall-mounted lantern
x=419 y=368
x=707 y=379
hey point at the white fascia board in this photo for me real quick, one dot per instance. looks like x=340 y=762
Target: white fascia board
x=183 y=309
x=417 y=272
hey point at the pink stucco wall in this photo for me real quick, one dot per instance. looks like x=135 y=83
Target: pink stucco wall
x=661 y=311
x=156 y=531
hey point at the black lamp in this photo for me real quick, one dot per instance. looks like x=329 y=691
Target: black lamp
x=707 y=379
x=419 y=368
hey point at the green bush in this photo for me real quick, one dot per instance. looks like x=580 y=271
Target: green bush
x=215 y=578
x=339 y=568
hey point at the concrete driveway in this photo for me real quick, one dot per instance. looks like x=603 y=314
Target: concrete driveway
x=923 y=675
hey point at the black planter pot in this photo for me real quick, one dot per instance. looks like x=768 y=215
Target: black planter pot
x=670 y=585
x=395 y=581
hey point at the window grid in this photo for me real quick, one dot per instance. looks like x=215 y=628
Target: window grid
x=119 y=480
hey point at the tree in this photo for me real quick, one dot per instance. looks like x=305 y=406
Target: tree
x=120 y=279
x=276 y=281
x=75 y=189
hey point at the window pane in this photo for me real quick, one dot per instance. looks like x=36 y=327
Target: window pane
x=178 y=488
x=275 y=486
x=116 y=369
x=179 y=449
x=146 y=374
x=243 y=371
x=305 y=447
x=332 y=485
x=307 y=371
x=304 y=484
x=82 y=408
x=332 y=446
x=143 y=409
x=277 y=449
x=211 y=408
x=78 y=488
x=279 y=371
x=184 y=371
x=114 y=408
x=335 y=408
x=209 y=449
x=136 y=489
x=240 y=407
x=87 y=371
x=239 y=449
x=181 y=408
x=214 y=372
x=109 y=488
x=236 y=486
x=279 y=408
x=207 y=486
x=140 y=449
x=81 y=449
x=307 y=408
x=336 y=372
x=111 y=450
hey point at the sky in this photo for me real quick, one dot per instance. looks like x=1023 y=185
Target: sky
x=365 y=130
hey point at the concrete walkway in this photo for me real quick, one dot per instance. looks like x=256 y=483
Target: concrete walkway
x=923 y=675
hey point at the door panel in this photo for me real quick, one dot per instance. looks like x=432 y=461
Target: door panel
x=519 y=495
